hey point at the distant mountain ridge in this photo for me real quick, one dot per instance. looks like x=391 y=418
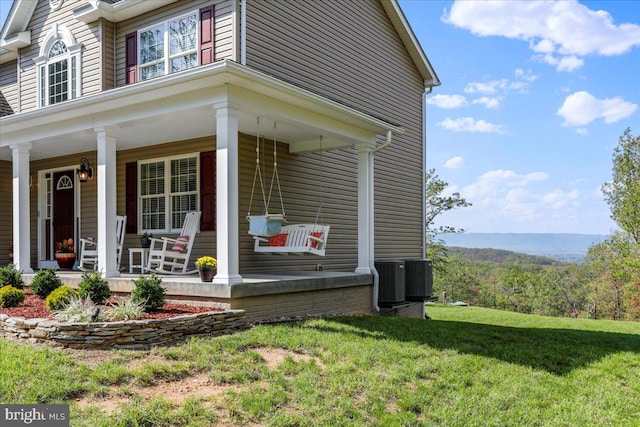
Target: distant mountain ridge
x=559 y=246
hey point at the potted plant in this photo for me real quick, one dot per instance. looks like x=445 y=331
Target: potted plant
x=145 y=240
x=206 y=266
x=65 y=255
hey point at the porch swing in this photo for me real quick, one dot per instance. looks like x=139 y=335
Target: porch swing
x=269 y=235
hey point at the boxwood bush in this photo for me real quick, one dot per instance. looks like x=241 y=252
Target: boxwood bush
x=60 y=297
x=149 y=291
x=45 y=282
x=95 y=287
x=10 y=296
x=9 y=275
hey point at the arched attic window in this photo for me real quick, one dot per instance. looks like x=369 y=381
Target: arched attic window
x=59 y=66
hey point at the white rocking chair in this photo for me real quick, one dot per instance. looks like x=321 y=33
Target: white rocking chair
x=89 y=248
x=171 y=256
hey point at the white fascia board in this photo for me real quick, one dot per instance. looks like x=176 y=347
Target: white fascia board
x=13 y=34
x=409 y=39
x=120 y=11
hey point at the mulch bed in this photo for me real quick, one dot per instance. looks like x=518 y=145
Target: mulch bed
x=34 y=307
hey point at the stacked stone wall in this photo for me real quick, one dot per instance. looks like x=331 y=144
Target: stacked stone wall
x=132 y=334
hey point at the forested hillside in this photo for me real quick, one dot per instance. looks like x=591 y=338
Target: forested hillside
x=603 y=286
x=500 y=256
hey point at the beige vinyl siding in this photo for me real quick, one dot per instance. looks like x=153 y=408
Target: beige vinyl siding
x=9 y=102
x=350 y=52
x=107 y=29
x=6 y=211
x=306 y=183
x=223 y=29
x=302 y=193
x=88 y=35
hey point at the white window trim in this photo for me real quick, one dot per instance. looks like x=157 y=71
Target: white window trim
x=167 y=57
x=74 y=50
x=167 y=193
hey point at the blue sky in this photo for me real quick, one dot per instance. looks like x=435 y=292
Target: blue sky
x=534 y=97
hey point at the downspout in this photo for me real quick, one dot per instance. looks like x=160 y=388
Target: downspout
x=428 y=91
x=372 y=266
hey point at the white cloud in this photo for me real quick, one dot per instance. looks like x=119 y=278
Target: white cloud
x=507 y=201
x=582 y=131
x=447 y=101
x=521 y=84
x=566 y=63
x=489 y=88
x=581 y=108
x=469 y=124
x=487 y=102
x=454 y=163
x=560 y=31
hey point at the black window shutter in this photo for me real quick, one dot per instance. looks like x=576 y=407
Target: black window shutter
x=208 y=190
x=131 y=54
x=207 y=40
x=131 y=187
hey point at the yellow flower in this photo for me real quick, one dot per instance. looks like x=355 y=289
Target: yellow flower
x=206 y=263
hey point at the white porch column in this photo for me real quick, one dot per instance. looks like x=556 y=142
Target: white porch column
x=227 y=197
x=365 y=208
x=21 y=208
x=106 y=139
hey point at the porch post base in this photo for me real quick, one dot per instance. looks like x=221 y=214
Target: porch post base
x=363 y=270
x=227 y=279
x=112 y=273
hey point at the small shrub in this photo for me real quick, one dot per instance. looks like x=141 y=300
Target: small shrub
x=149 y=291
x=45 y=282
x=95 y=287
x=9 y=275
x=60 y=297
x=125 y=309
x=10 y=296
x=79 y=309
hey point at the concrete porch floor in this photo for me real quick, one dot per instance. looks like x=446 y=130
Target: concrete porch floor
x=262 y=296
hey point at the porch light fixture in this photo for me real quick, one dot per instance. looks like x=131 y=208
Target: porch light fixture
x=86 y=171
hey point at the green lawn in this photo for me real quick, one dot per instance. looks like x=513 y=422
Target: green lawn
x=467 y=366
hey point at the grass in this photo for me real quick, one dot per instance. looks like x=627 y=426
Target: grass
x=467 y=366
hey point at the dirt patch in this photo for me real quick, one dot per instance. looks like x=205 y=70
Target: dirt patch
x=275 y=356
x=177 y=391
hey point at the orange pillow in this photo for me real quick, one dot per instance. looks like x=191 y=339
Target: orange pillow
x=278 y=240
x=314 y=243
x=181 y=244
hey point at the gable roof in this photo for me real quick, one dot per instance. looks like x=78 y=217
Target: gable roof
x=411 y=42
x=14 y=36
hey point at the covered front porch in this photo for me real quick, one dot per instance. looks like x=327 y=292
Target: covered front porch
x=218 y=104
x=261 y=296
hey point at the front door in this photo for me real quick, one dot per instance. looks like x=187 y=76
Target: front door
x=63 y=205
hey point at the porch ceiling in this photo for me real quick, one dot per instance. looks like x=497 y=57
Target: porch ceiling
x=182 y=106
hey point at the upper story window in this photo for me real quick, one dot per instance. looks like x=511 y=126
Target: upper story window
x=58 y=67
x=168 y=47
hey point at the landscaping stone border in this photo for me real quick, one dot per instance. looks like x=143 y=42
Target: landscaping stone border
x=131 y=334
